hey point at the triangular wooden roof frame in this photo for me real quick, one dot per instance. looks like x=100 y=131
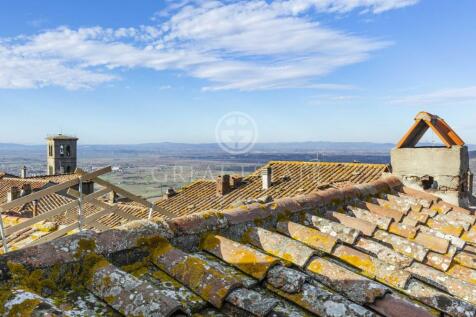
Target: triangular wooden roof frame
x=424 y=121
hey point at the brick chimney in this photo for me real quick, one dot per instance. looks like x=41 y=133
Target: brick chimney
x=236 y=181
x=25 y=190
x=112 y=197
x=170 y=192
x=223 y=185
x=13 y=194
x=23 y=172
x=266 y=176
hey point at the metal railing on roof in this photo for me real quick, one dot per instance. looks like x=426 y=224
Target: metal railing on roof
x=81 y=199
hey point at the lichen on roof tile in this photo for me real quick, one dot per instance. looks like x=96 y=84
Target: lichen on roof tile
x=239 y=255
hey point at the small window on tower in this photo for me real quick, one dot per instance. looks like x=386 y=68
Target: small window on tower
x=68 y=169
x=50 y=150
x=62 y=150
x=68 y=151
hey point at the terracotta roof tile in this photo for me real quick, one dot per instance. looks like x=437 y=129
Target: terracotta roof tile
x=362 y=226
x=282 y=258
x=289 y=179
x=436 y=244
x=311 y=237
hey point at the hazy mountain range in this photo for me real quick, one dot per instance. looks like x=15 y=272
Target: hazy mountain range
x=183 y=148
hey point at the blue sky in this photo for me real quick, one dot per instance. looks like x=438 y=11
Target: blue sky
x=305 y=70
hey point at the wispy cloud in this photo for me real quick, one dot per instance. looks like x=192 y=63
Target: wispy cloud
x=439 y=97
x=246 y=45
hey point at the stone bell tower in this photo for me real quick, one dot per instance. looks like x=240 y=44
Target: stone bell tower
x=61 y=154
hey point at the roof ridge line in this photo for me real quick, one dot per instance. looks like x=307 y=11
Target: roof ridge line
x=127 y=236
x=325 y=162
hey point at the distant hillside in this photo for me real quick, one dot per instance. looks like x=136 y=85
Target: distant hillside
x=169 y=147
x=472 y=154
x=209 y=149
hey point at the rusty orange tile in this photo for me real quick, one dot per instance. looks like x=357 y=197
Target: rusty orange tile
x=243 y=257
x=446 y=228
x=469 y=236
x=453 y=286
x=387 y=212
x=458 y=243
x=363 y=226
x=354 y=286
x=421 y=217
x=466 y=259
x=280 y=246
x=433 y=243
x=417 y=208
x=410 y=221
x=382 y=252
x=306 y=235
x=403 y=230
x=440 y=208
x=420 y=194
x=197 y=274
x=439 y=261
x=463 y=273
x=334 y=229
x=372 y=267
x=426 y=211
x=392 y=204
x=395 y=305
x=470 y=248
x=402 y=245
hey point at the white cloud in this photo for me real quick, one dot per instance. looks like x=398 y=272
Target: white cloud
x=245 y=45
x=439 y=97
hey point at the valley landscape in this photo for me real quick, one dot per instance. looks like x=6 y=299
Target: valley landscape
x=149 y=169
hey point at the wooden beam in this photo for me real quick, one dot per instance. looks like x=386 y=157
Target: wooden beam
x=103 y=205
x=414 y=134
x=55 y=212
x=53 y=189
x=63 y=231
x=131 y=196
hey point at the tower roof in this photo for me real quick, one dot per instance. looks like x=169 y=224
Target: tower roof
x=61 y=137
x=424 y=121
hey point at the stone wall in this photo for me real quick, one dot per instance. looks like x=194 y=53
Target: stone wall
x=442 y=171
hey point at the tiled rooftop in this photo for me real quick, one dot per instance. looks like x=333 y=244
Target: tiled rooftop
x=289 y=179
x=376 y=249
x=57 y=225
x=36 y=182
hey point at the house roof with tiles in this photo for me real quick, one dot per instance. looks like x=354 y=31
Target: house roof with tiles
x=374 y=249
x=36 y=182
x=66 y=223
x=289 y=179
x=63 y=223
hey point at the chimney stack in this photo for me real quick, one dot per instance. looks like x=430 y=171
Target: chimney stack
x=112 y=197
x=23 y=172
x=25 y=190
x=266 y=176
x=35 y=207
x=170 y=192
x=236 y=181
x=13 y=194
x=223 y=185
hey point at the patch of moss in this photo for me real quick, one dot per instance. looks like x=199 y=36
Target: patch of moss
x=152 y=242
x=36 y=281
